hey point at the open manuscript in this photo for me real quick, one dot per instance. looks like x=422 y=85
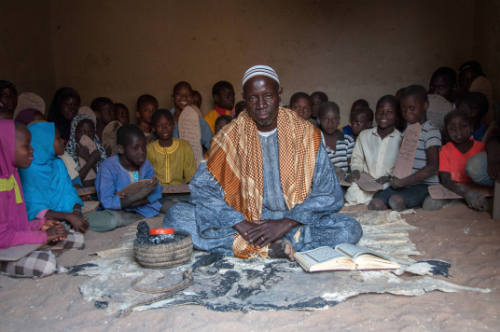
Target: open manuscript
x=345 y=256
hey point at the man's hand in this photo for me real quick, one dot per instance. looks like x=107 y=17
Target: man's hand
x=244 y=227
x=269 y=231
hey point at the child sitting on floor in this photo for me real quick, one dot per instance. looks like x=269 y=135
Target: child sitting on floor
x=357 y=105
x=361 y=119
x=223 y=94
x=47 y=186
x=197 y=99
x=104 y=110
x=444 y=83
x=317 y=98
x=221 y=122
x=301 y=103
x=453 y=158
x=338 y=145
x=146 y=106
x=87 y=158
x=411 y=191
x=475 y=105
x=122 y=113
x=376 y=149
x=15 y=229
x=172 y=158
x=182 y=97
x=484 y=167
x=63 y=109
x=129 y=166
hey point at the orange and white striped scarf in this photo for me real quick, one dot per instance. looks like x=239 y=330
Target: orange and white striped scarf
x=235 y=160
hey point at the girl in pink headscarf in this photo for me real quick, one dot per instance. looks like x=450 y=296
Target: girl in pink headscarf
x=15 y=229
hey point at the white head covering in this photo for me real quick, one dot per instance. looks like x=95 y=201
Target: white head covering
x=260 y=70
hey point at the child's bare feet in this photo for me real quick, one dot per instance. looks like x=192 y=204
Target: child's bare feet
x=281 y=249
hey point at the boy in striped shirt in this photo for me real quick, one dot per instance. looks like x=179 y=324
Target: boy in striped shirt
x=411 y=191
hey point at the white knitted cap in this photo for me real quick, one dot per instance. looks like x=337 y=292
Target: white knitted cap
x=260 y=70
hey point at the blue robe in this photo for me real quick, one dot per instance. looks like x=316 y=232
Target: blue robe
x=210 y=220
x=112 y=177
x=46 y=183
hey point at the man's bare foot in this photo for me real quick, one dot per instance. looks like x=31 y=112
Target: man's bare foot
x=281 y=249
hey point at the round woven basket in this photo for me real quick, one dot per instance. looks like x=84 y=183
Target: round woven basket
x=165 y=255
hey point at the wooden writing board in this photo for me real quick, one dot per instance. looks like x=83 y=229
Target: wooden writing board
x=368 y=183
x=407 y=151
x=87 y=110
x=137 y=190
x=15 y=253
x=438 y=191
x=189 y=130
x=90 y=206
x=29 y=100
x=176 y=189
x=85 y=191
x=438 y=108
x=109 y=134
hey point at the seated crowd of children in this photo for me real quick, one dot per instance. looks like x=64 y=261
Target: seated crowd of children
x=74 y=146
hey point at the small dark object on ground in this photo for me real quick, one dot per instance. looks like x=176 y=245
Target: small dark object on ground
x=143 y=237
x=73 y=270
x=101 y=304
x=439 y=267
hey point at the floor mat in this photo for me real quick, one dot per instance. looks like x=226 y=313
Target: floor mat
x=228 y=283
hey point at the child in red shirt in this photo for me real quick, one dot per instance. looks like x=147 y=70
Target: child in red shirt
x=453 y=158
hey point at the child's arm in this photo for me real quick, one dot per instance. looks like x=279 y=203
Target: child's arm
x=357 y=160
x=474 y=199
x=9 y=236
x=91 y=160
x=430 y=169
x=106 y=189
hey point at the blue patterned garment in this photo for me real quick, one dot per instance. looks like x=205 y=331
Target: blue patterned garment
x=210 y=220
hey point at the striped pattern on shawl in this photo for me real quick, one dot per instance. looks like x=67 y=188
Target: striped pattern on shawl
x=235 y=160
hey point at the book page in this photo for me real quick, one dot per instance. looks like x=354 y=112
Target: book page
x=321 y=254
x=365 y=258
x=355 y=251
x=407 y=151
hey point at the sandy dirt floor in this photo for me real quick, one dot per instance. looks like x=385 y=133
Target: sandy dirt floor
x=469 y=240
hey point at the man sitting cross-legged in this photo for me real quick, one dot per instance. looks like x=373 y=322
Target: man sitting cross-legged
x=267 y=188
